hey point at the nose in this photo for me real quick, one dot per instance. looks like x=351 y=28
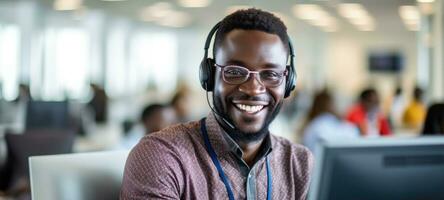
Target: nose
x=253 y=86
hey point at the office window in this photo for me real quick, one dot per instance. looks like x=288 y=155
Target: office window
x=139 y=61
x=9 y=61
x=116 y=66
x=65 y=72
x=153 y=61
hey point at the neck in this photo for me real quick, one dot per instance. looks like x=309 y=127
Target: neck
x=250 y=149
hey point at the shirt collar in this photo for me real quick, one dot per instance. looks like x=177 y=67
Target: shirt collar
x=223 y=143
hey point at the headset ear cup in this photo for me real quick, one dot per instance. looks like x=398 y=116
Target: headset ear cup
x=290 y=82
x=203 y=74
x=211 y=74
x=206 y=74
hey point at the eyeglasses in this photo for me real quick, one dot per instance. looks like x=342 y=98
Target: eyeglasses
x=235 y=75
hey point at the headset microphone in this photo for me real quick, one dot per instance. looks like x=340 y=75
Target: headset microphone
x=217 y=113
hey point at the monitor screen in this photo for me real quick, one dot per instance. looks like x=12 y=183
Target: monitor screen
x=369 y=169
x=385 y=62
x=47 y=115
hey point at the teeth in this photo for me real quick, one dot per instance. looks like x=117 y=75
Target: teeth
x=248 y=108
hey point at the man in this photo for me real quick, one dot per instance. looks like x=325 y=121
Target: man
x=230 y=154
x=156 y=117
x=414 y=114
x=367 y=116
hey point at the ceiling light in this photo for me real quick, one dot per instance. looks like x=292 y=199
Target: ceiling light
x=357 y=15
x=308 y=11
x=352 y=10
x=425 y=1
x=409 y=13
x=175 y=19
x=316 y=16
x=156 y=11
x=194 y=3
x=67 y=4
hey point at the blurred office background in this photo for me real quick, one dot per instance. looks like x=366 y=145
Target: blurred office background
x=88 y=68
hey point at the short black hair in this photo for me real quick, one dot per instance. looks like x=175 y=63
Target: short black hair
x=151 y=109
x=367 y=93
x=251 y=19
x=418 y=93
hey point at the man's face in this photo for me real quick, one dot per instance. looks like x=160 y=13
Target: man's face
x=254 y=50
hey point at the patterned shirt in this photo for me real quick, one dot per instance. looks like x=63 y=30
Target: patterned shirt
x=174 y=164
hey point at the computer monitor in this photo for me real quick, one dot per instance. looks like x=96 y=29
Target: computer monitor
x=385 y=168
x=47 y=115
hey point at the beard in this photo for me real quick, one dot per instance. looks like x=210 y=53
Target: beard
x=238 y=135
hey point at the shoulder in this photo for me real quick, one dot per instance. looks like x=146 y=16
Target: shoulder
x=172 y=138
x=156 y=163
x=295 y=152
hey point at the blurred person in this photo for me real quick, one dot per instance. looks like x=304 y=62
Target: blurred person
x=323 y=122
x=99 y=103
x=230 y=154
x=434 y=120
x=24 y=94
x=181 y=104
x=367 y=116
x=396 y=108
x=414 y=114
x=154 y=117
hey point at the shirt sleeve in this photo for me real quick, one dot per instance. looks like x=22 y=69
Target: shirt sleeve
x=152 y=171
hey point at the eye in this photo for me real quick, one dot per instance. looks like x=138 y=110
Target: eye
x=270 y=74
x=234 y=71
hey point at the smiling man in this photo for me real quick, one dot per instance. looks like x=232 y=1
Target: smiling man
x=230 y=154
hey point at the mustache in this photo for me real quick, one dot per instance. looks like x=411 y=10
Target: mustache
x=246 y=97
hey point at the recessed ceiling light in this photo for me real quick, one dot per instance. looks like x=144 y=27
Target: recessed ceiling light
x=409 y=12
x=157 y=10
x=194 y=3
x=67 y=4
x=411 y=17
x=175 y=19
x=425 y=1
x=308 y=11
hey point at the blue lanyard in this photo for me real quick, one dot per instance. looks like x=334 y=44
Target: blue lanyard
x=216 y=163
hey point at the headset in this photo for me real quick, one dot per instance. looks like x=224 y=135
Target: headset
x=207 y=68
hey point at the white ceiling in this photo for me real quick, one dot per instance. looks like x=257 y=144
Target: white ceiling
x=385 y=12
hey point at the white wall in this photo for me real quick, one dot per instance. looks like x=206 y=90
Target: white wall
x=347 y=70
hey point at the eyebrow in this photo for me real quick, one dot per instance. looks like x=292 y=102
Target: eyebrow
x=240 y=63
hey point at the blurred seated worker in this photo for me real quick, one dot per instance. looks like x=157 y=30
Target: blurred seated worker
x=396 y=108
x=434 y=121
x=181 y=104
x=414 y=114
x=230 y=153
x=154 y=117
x=367 y=116
x=323 y=122
x=99 y=103
x=24 y=94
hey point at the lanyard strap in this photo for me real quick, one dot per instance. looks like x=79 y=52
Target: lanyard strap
x=216 y=163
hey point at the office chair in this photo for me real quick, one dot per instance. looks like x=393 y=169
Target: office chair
x=21 y=146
